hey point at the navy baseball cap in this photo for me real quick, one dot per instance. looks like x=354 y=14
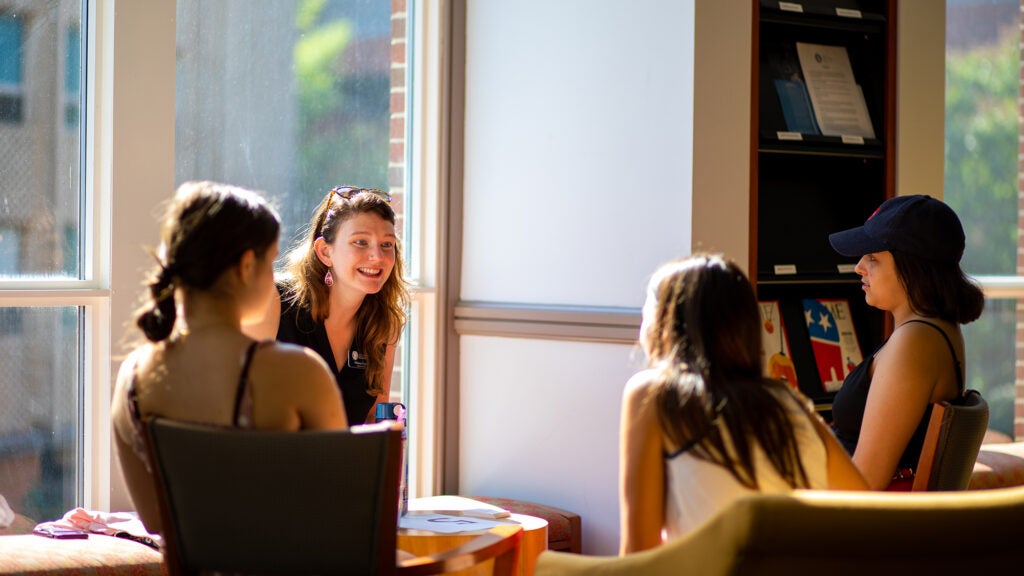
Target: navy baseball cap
x=917 y=224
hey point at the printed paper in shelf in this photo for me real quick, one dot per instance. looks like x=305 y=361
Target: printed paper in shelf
x=833 y=340
x=778 y=363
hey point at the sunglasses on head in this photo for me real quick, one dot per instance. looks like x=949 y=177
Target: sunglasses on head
x=349 y=192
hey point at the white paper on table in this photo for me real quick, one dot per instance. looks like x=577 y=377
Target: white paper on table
x=444 y=523
x=838 y=100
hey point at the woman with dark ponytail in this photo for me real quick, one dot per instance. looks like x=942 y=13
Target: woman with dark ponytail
x=214 y=272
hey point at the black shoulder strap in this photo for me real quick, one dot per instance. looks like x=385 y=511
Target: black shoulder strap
x=243 y=380
x=952 y=351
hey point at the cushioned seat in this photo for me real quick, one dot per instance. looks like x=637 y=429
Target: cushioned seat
x=98 y=555
x=564 y=527
x=831 y=533
x=998 y=466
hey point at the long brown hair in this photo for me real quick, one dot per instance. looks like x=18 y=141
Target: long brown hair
x=381 y=316
x=702 y=335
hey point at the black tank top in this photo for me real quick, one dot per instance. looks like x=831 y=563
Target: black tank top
x=297 y=327
x=850 y=401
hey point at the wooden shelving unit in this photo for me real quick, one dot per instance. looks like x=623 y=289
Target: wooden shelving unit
x=803 y=189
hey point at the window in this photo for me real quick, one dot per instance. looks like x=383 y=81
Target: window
x=10 y=250
x=72 y=75
x=45 y=300
x=981 y=183
x=295 y=97
x=79 y=199
x=12 y=48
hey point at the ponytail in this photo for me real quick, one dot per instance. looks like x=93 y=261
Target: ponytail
x=939 y=289
x=970 y=300
x=157 y=319
x=206 y=229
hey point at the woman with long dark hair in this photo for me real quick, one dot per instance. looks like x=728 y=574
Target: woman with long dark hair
x=702 y=426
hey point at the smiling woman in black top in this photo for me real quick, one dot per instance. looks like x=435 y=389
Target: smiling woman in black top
x=344 y=296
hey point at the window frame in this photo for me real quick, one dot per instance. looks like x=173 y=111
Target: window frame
x=128 y=75
x=90 y=293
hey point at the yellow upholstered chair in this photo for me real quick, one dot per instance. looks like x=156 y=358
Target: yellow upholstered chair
x=834 y=533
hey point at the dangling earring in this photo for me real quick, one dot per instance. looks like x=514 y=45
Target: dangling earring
x=328 y=279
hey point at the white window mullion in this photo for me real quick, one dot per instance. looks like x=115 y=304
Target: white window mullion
x=135 y=160
x=97 y=452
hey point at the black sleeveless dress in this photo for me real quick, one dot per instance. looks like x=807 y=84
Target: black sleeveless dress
x=297 y=327
x=850 y=401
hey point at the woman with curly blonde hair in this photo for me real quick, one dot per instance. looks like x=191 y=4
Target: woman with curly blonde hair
x=343 y=294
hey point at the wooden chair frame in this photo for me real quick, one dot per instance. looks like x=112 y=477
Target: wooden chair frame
x=951 y=444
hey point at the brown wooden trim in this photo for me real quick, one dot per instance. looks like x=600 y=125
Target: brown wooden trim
x=891 y=87
x=890 y=101
x=755 y=120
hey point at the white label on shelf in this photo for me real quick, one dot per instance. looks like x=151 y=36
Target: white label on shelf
x=791 y=6
x=784 y=269
x=849 y=13
x=845 y=268
x=847 y=139
x=789 y=135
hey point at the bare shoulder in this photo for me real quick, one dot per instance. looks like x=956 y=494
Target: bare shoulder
x=914 y=365
x=918 y=345
x=296 y=361
x=639 y=388
x=125 y=374
x=130 y=365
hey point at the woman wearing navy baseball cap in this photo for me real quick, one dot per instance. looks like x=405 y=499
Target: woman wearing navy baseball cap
x=909 y=251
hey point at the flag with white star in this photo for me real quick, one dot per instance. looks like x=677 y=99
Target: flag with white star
x=833 y=340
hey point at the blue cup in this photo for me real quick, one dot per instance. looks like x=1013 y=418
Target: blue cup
x=396 y=411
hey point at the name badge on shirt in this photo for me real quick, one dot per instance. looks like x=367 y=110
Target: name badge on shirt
x=356 y=360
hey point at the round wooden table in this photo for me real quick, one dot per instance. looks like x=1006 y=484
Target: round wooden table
x=422 y=542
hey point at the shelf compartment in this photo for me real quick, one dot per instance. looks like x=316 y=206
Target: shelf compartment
x=816 y=144
x=802 y=201
x=827 y=15
x=867 y=323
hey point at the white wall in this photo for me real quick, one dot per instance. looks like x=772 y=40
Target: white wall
x=540 y=423
x=721 y=127
x=920 y=97
x=577 y=148
x=577 y=184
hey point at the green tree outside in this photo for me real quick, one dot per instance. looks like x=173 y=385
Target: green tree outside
x=981 y=185
x=343 y=111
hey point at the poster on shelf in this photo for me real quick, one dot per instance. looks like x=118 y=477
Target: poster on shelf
x=778 y=363
x=833 y=340
x=838 y=100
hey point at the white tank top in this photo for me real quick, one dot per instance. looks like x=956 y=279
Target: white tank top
x=696 y=489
